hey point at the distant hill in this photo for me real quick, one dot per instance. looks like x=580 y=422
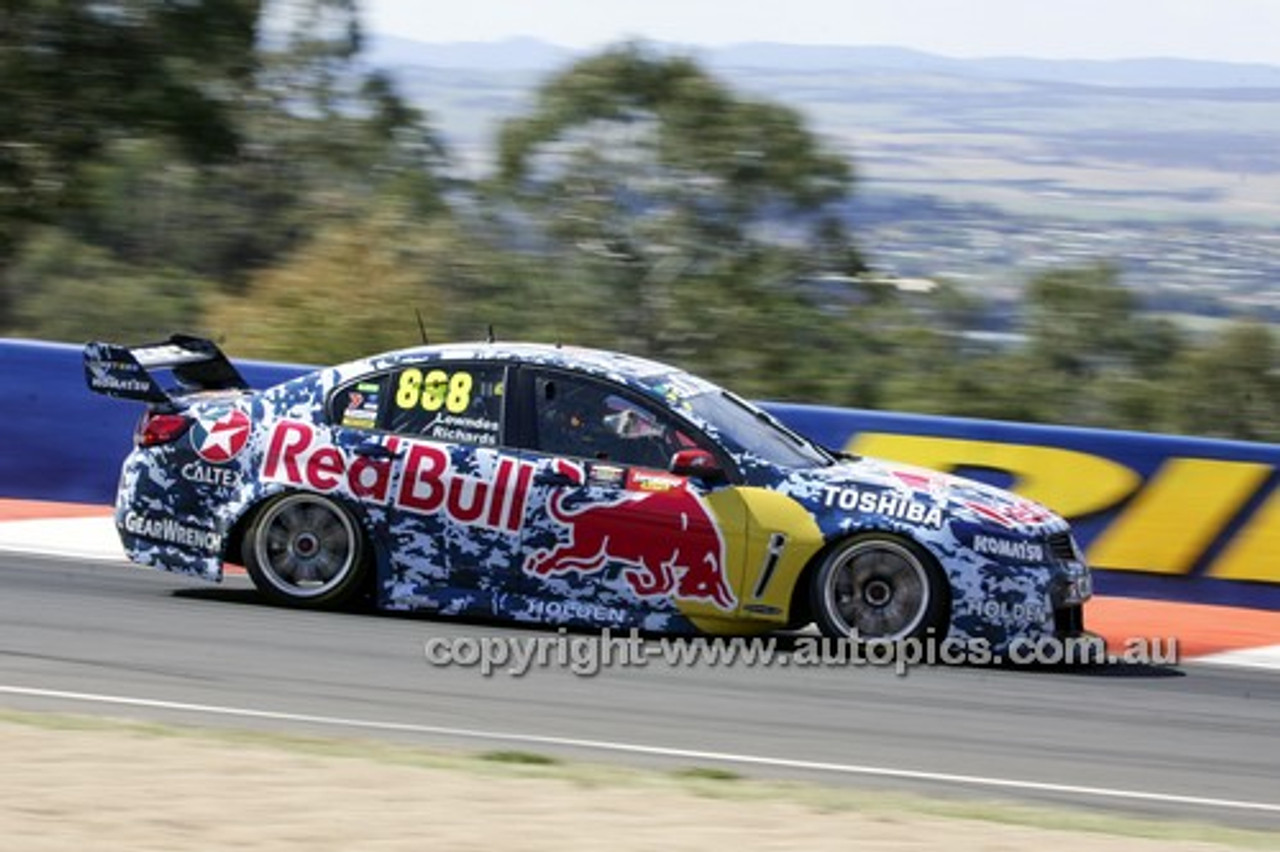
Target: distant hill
x=517 y=54
x=1142 y=73
x=980 y=171
x=533 y=55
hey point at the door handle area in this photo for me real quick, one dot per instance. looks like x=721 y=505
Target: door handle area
x=553 y=478
x=377 y=451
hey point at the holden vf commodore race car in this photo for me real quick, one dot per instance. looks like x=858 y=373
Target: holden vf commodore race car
x=566 y=486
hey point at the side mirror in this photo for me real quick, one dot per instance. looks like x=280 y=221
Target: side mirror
x=697 y=463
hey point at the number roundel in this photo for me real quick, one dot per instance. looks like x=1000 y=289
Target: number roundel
x=435 y=390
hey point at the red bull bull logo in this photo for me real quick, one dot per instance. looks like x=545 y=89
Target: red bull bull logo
x=687 y=565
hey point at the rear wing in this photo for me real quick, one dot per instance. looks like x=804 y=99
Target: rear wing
x=130 y=372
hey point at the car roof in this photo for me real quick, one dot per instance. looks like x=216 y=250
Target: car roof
x=652 y=377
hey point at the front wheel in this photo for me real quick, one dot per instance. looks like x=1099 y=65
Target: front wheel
x=306 y=550
x=877 y=587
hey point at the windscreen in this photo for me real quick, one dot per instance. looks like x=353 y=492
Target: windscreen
x=756 y=431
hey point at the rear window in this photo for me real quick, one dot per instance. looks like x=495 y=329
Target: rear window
x=456 y=403
x=357 y=405
x=453 y=403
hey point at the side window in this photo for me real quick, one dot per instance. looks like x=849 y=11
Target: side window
x=454 y=403
x=590 y=419
x=356 y=405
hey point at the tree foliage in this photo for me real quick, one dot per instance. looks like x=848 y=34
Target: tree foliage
x=172 y=134
x=675 y=196
x=697 y=149
x=76 y=75
x=354 y=289
x=1232 y=386
x=182 y=166
x=76 y=291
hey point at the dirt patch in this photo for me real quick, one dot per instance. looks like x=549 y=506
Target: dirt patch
x=89 y=785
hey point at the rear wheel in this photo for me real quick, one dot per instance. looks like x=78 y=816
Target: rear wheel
x=306 y=550
x=878 y=587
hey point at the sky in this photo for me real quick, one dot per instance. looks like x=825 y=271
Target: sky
x=1223 y=30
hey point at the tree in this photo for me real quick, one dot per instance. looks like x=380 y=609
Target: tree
x=1079 y=320
x=318 y=115
x=1093 y=358
x=75 y=75
x=354 y=289
x=173 y=139
x=71 y=291
x=1231 y=388
x=665 y=190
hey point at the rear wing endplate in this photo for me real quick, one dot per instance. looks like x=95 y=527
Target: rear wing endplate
x=130 y=372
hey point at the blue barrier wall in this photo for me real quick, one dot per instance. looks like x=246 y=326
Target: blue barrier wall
x=63 y=442
x=1160 y=516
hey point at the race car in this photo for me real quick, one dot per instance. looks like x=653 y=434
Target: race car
x=564 y=485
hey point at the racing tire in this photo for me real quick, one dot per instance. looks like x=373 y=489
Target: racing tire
x=305 y=550
x=877 y=587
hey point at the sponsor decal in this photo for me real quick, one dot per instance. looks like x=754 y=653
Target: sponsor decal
x=103 y=377
x=681 y=386
x=606 y=476
x=935 y=485
x=649 y=480
x=881 y=502
x=1022 y=551
x=685 y=566
x=220 y=439
x=427 y=485
x=362 y=406
x=1012 y=514
x=172 y=531
x=1007 y=613
x=205 y=474
x=561 y=610
x=116 y=384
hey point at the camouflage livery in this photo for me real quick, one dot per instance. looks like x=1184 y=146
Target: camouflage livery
x=492 y=522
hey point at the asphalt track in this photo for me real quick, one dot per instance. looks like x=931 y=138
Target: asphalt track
x=108 y=639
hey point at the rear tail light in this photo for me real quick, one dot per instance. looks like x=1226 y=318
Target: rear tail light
x=155 y=429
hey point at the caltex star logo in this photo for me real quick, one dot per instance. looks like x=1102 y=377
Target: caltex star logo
x=220 y=440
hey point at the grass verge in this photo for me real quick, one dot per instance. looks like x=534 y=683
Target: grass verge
x=712 y=782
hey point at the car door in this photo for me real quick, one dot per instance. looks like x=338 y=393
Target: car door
x=610 y=535
x=453 y=500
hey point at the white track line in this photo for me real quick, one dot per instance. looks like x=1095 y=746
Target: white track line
x=656 y=751
x=1247 y=658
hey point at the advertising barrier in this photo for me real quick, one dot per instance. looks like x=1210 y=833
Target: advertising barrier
x=1159 y=516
